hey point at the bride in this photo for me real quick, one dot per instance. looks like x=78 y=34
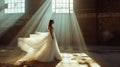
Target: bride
x=41 y=46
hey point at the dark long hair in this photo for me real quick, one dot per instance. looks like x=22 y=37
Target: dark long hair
x=51 y=22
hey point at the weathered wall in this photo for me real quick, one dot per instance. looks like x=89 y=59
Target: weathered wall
x=109 y=19
x=99 y=21
x=86 y=14
x=8 y=30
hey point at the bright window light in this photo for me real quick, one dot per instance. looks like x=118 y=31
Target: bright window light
x=15 y=6
x=62 y=6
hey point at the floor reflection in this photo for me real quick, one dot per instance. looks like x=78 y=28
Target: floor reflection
x=76 y=60
x=8 y=56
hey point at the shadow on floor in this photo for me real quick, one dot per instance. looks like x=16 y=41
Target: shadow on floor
x=32 y=64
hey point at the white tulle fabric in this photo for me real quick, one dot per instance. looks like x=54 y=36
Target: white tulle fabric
x=39 y=46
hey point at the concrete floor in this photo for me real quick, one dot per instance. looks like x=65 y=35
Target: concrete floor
x=105 y=56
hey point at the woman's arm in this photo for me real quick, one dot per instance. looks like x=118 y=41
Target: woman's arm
x=51 y=32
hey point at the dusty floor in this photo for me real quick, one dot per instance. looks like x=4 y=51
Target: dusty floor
x=97 y=56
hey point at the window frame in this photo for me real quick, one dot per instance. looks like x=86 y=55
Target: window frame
x=14 y=6
x=62 y=6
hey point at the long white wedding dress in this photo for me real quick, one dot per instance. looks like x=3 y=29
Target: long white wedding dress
x=39 y=46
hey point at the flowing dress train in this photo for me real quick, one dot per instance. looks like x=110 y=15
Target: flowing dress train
x=39 y=46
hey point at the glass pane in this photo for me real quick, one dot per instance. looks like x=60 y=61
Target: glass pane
x=12 y=1
x=20 y=0
x=15 y=10
x=7 y=1
x=20 y=5
x=65 y=1
x=62 y=6
x=10 y=10
x=15 y=6
x=71 y=1
x=66 y=6
x=71 y=5
x=58 y=1
x=10 y=5
x=22 y=10
x=62 y=10
x=59 y=6
x=23 y=5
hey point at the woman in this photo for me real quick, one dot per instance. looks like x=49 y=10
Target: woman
x=50 y=27
x=40 y=46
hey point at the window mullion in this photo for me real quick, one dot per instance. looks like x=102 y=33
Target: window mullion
x=15 y=6
x=62 y=6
